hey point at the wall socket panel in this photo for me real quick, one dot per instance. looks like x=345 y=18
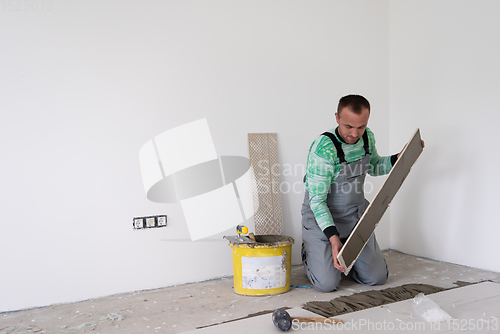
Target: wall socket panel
x=149 y=222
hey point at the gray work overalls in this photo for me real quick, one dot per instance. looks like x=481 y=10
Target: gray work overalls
x=346 y=202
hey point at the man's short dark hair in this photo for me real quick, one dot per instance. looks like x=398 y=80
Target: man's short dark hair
x=354 y=102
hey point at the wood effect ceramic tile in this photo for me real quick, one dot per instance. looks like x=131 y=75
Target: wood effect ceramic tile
x=368 y=222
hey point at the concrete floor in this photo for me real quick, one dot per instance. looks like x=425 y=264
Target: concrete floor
x=468 y=309
x=186 y=307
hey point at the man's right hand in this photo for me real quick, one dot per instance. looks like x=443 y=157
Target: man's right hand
x=336 y=247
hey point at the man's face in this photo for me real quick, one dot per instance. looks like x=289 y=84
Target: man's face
x=351 y=125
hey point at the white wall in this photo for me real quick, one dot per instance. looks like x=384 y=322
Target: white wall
x=85 y=84
x=445 y=79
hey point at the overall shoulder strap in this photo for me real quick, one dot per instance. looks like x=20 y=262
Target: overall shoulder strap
x=338 y=145
x=366 y=144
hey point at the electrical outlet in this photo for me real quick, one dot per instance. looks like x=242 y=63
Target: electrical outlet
x=138 y=222
x=150 y=221
x=162 y=221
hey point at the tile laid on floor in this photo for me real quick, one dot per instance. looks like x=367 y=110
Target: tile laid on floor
x=474 y=308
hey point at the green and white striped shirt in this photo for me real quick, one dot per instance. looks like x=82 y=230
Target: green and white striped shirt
x=323 y=168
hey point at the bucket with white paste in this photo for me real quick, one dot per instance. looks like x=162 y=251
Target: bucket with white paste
x=262 y=268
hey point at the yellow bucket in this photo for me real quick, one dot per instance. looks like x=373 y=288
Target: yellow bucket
x=262 y=268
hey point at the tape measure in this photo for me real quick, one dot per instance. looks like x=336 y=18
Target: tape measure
x=241 y=229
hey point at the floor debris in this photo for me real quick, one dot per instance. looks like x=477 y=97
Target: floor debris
x=201 y=309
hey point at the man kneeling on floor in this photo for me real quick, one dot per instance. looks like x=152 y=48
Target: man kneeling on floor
x=334 y=200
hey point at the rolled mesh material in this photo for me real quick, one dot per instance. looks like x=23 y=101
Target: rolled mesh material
x=268 y=217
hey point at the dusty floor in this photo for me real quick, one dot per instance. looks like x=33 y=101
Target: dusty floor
x=186 y=307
